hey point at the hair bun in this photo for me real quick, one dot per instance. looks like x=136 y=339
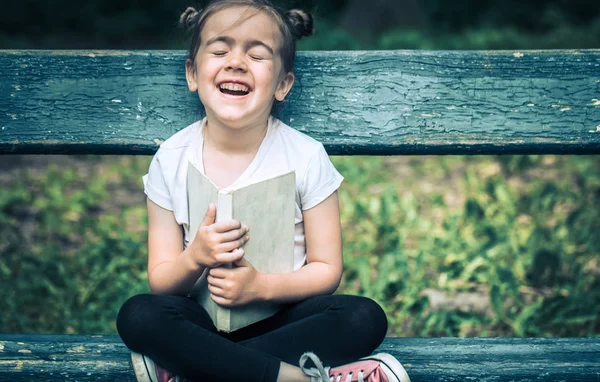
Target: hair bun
x=301 y=23
x=188 y=18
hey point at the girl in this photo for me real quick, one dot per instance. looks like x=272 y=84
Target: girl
x=240 y=63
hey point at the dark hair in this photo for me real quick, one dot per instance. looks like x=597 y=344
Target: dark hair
x=293 y=24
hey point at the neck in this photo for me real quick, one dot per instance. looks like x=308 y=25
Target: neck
x=234 y=140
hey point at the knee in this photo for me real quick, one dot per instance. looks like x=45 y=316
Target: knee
x=368 y=320
x=134 y=320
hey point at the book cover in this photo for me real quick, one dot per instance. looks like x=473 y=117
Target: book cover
x=267 y=207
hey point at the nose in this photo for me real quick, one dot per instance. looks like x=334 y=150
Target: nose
x=237 y=61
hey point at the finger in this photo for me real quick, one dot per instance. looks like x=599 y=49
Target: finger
x=210 y=216
x=218 y=273
x=232 y=245
x=226 y=226
x=230 y=257
x=234 y=234
x=220 y=300
x=216 y=291
x=216 y=282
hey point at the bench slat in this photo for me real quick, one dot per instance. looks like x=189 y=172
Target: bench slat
x=105 y=358
x=392 y=102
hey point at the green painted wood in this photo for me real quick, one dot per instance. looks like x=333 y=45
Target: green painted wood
x=378 y=102
x=105 y=358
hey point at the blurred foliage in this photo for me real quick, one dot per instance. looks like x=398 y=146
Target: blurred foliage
x=340 y=24
x=66 y=264
x=518 y=233
x=523 y=239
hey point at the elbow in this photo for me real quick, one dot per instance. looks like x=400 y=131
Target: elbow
x=335 y=280
x=155 y=287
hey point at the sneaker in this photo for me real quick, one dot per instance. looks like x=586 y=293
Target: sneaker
x=380 y=367
x=147 y=370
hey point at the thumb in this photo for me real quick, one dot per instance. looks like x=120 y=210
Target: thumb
x=210 y=216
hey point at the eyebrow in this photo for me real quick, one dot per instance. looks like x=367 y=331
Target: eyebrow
x=230 y=41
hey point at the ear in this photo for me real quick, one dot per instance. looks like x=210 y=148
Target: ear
x=284 y=87
x=190 y=75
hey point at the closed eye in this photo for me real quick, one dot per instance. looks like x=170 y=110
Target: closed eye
x=220 y=53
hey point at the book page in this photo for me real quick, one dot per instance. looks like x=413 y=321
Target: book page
x=268 y=209
x=200 y=193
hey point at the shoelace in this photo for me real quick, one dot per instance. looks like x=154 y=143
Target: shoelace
x=322 y=373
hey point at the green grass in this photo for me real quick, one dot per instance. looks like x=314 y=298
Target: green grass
x=450 y=246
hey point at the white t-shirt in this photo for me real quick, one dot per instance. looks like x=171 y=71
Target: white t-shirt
x=283 y=149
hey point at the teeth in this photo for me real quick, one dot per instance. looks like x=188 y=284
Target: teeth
x=234 y=87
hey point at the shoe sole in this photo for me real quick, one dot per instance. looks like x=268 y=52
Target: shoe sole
x=143 y=369
x=392 y=364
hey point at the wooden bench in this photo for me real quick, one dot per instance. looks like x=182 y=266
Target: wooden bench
x=356 y=103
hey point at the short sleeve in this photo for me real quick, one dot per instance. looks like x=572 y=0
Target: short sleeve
x=155 y=186
x=321 y=179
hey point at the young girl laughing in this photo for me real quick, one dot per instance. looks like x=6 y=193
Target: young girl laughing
x=240 y=63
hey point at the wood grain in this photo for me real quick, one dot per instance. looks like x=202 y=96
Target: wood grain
x=377 y=102
x=104 y=358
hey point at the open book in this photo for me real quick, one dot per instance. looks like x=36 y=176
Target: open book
x=267 y=207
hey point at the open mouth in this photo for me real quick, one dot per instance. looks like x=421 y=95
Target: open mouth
x=234 y=89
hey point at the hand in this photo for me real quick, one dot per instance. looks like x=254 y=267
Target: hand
x=218 y=243
x=235 y=286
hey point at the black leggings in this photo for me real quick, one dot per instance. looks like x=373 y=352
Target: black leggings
x=178 y=334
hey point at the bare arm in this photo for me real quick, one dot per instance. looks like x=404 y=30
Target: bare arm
x=173 y=270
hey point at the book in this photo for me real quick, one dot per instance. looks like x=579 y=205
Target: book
x=267 y=207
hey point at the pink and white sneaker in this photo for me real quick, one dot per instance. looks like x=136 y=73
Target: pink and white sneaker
x=380 y=367
x=147 y=370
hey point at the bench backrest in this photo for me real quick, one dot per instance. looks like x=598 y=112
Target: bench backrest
x=379 y=102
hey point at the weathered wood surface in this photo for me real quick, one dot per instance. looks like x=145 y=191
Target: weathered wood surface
x=105 y=358
x=392 y=102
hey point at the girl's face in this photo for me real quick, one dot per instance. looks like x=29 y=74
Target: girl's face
x=238 y=68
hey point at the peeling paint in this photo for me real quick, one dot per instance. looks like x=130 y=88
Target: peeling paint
x=116 y=101
x=1 y=348
x=76 y=349
x=26 y=351
x=16 y=87
x=597 y=130
x=518 y=54
x=595 y=102
x=565 y=109
x=531 y=104
x=158 y=142
x=18 y=365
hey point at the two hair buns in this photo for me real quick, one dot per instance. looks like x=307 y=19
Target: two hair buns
x=300 y=22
